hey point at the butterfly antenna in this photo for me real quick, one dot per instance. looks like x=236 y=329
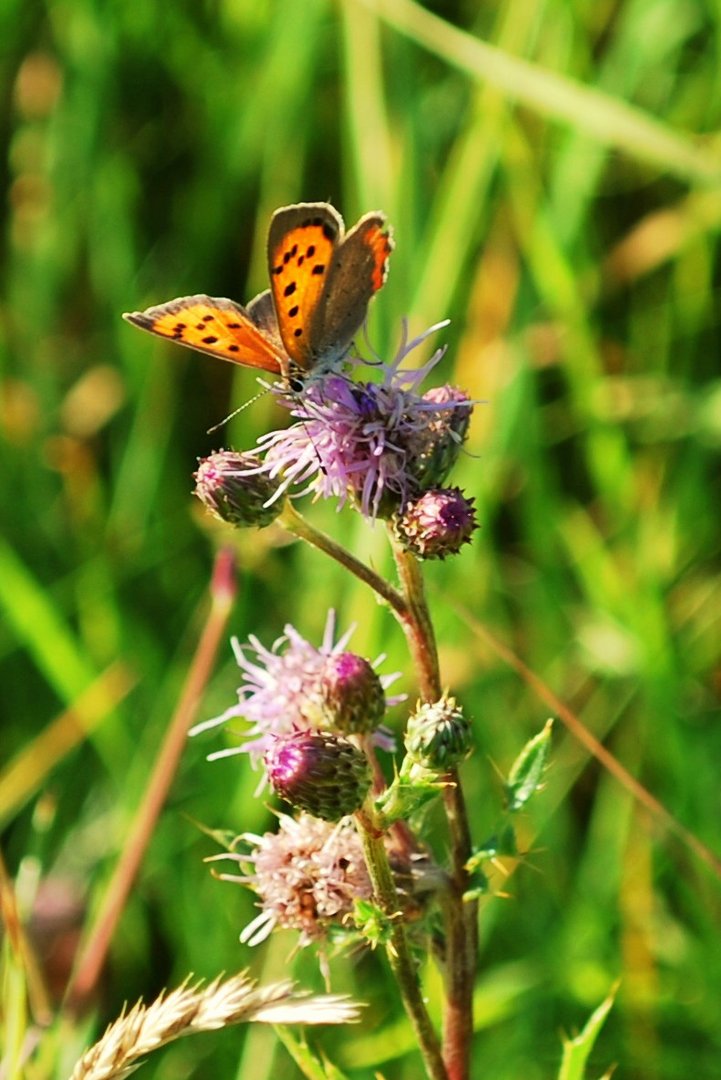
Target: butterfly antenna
x=316 y=451
x=240 y=409
x=296 y=394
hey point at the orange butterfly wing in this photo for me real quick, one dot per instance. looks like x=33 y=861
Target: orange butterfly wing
x=322 y=279
x=301 y=245
x=216 y=326
x=359 y=269
x=321 y=282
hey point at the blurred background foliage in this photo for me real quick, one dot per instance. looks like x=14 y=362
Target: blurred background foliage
x=573 y=242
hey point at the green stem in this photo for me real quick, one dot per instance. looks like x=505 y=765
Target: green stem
x=398 y=949
x=291 y=520
x=418 y=628
x=411 y=611
x=461 y=919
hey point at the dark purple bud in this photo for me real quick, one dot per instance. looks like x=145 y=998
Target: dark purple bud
x=351 y=694
x=224 y=487
x=436 y=524
x=320 y=772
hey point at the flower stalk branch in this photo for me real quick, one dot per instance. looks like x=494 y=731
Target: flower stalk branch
x=399 y=953
x=411 y=609
x=386 y=448
x=299 y=526
x=460 y=918
x=418 y=627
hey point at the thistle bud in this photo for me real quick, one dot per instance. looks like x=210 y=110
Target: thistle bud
x=438 y=735
x=352 y=697
x=320 y=772
x=436 y=524
x=440 y=444
x=224 y=487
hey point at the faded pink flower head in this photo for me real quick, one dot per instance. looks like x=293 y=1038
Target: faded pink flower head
x=230 y=486
x=307 y=876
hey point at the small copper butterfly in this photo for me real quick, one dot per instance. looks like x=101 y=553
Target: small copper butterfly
x=321 y=282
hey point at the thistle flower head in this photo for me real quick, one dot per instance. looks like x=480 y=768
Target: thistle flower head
x=320 y=772
x=284 y=689
x=230 y=486
x=307 y=876
x=376 y=443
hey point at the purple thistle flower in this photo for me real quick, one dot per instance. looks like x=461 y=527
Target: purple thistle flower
x=283 y=690
x=378 y=443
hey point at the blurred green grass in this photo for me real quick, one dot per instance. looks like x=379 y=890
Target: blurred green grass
x=147 y=146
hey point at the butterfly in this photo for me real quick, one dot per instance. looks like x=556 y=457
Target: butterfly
x=322 y=279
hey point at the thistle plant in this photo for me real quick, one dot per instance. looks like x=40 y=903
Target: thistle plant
x=348 y=861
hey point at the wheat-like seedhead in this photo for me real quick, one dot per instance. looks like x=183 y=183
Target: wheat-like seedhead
x=191 y=1009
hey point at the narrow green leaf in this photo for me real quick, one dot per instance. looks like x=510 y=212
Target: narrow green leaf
x=576 y=1050
x=41 y=628
x=306 y=1061
x=526 y=775
x=584 y=108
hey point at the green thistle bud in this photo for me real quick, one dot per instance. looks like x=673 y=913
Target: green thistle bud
x=436 y=524
x=440 y=444
x=225 y=489
x=352 y=697
x=320 y=772
x=438 y=735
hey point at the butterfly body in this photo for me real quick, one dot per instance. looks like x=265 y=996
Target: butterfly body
x=321 y=282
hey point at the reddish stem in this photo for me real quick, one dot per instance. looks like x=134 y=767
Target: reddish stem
x=461 y=918
x=92 y=959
